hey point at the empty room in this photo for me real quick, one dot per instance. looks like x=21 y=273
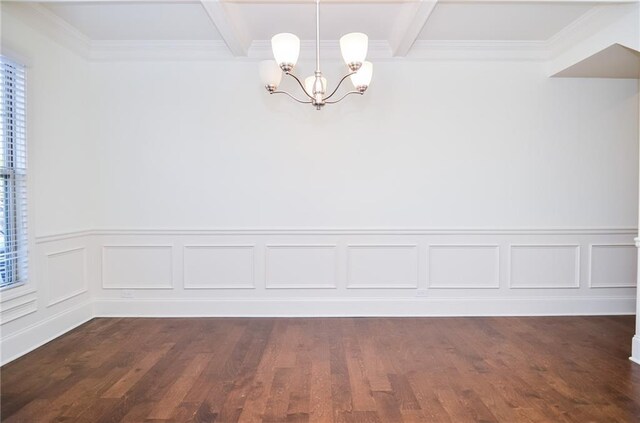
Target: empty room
x=319 y=211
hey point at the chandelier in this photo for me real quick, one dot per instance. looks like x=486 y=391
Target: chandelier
x=286 y=49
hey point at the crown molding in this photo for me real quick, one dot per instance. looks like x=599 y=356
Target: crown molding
x=590 y=23
x=329 y=49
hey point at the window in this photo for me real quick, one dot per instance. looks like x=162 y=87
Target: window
x=13 y=175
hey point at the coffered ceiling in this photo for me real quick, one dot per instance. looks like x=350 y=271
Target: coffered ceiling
x=529 y=29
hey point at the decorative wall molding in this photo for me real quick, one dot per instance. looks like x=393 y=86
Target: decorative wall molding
x=50 y=280
x=370 y=231
x=142 y=273
x=304 y=268
x=43 y=239
x=27 y=327
x=546 y=268
x=385 y=268
x=614 y=268
x=232 y=275
x=11 y=294
x=18 y=308
x=466 y=269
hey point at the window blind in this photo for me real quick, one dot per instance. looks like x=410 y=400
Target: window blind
x=13 y=175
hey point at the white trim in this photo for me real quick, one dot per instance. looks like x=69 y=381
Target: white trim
x=12 y=294
x=365 y=307
x=368 y=231
x=351 y=285
x=409 y=26
x=132 y=287
x=236 y=39
x=33 y=336
x=29 y=306
x=345 y=231
x=576 y=284
x=330 y=49
x=269 y=285
x=590 y=270
x=74 y=294
x=62 y=236
x=495 y=247
x=635 y=349
x=220 y=246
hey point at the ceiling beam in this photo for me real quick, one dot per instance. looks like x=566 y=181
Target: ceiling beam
x=408 y=29
x=235 y=38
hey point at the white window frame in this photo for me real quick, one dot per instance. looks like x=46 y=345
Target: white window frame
x=13 y=175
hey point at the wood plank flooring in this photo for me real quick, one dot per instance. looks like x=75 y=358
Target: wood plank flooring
x=348 y=370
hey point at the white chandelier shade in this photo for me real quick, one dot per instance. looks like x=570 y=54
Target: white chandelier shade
x=362 y=78
x=354 y=48
x=286 y=51
x=270 y=73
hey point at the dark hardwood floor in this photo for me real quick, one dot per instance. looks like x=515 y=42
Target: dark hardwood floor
x=547 y=369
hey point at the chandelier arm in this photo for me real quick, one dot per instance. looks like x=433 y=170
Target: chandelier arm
x=338 y=86
x=301 y=84
x=343 y=97
x=298 y=100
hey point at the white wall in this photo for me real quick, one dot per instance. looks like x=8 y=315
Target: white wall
x=433 y=144
x=61 y=192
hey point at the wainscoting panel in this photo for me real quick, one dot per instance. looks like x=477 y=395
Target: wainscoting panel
x=613 y=266
x=464 y=266
x=219 y=267
x=382 y=266
x=137 y=267
x=18 y=307
x=301 y=266
x=66 y=274
x=544 y=266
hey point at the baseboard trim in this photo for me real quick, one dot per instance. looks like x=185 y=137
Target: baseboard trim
x=365 y=307
x=43 y=331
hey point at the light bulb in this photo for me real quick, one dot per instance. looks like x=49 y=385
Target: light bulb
x=309 y=82
x=362 y=78
x=270 y=74
x=354 y=49
x=286 y=49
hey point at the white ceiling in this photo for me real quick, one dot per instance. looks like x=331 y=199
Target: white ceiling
x=199 y=29
x=501 y=21
x=138 y=21
x=263 y=20
x=260 y=19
